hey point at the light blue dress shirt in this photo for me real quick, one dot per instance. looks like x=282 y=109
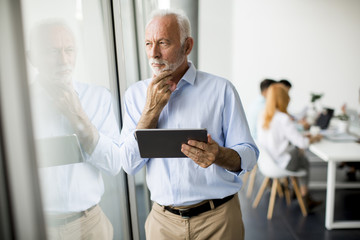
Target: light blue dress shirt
x=76 y=187
x=200 y=100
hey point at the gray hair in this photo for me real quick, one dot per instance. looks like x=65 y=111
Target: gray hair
x=45 y=25
x=182 y=19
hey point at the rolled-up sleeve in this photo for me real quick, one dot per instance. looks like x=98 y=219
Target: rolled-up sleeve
x=129 y=150
x=106 y=155
x=236 y=131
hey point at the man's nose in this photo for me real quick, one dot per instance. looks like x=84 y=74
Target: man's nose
x=63 y=58
x=155 y=51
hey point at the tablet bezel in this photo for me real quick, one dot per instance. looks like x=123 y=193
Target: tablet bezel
x=58 y=151
x=166 y=143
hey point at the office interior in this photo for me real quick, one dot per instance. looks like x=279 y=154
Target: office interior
x=313 y=44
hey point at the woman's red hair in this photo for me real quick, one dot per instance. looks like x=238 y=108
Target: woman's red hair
x=277 y=98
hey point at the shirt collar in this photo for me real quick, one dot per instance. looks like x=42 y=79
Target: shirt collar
x=189 y=76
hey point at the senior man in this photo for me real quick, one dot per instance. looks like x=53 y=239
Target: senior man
x=194 y=197
x=64 y=106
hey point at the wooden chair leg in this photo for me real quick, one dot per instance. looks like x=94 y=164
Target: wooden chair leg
x=298 y=196
x=286 y=191
x=245 y=178
x=261 y=191
x=251 y=181
x=279 y=190
x=272 y=198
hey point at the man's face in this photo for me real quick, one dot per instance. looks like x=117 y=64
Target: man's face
x=163 y=46
x=54 y=53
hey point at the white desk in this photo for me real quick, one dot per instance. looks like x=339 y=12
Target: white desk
x=332 y=152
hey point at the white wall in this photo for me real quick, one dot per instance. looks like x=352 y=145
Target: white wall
x=215 y=37
x=314 y=44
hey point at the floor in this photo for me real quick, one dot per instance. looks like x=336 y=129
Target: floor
x=288 y=223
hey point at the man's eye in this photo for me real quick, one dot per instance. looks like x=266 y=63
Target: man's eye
x=69 y=50
x=51 y=51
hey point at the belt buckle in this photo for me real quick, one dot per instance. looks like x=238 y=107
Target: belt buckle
x=183 y=213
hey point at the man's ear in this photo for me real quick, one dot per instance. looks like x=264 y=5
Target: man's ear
x=189 y=43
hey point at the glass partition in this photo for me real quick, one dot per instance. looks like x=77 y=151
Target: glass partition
x=5 y=216
x=75 y=107
x=134 y=51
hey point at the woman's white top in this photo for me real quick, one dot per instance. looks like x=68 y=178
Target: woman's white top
x=281 y=136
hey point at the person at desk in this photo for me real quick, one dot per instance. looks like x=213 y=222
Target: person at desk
x=351 y=167
x=301 y=122
x=287 y=84
x=194 y=197
x=278 y=134
x=258 y=106
x=63 y=106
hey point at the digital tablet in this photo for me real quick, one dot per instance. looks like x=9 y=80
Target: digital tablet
x=166 y=143
x=57 y=151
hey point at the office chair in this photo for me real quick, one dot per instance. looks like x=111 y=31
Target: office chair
x=271 y=170
x=249 y=176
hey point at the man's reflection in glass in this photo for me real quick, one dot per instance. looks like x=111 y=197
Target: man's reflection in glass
x=66 y=109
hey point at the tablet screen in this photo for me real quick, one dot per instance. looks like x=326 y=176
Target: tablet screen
x=166 y=143
x=57 y=151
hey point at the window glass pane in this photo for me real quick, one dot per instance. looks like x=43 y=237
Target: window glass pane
x=76 y=118
x=141 y=11
x=5 y=220
x=134 y=72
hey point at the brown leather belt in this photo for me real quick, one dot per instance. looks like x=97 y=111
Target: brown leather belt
x=58 y=220
x=192 y=212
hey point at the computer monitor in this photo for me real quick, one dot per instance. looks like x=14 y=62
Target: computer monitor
x=324 y=118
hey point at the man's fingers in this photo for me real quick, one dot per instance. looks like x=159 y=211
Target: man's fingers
x=197 y=144
x=203 y=158
x=191 y=152
x=194 y=151
x=163 y=86
x=163 y=81
x=210 y=141
x=163 y=73
x=162 y=76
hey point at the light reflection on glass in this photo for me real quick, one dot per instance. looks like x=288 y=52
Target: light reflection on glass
x=75 y=123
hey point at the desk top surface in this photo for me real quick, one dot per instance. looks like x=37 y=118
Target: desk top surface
x=336 y=151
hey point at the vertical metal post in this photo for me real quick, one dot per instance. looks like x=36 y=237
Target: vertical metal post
x=16 y=125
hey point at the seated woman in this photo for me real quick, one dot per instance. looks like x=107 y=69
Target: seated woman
x=278 y=134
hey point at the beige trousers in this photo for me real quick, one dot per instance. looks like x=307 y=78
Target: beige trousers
x=223 y=222
x=94 y=225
